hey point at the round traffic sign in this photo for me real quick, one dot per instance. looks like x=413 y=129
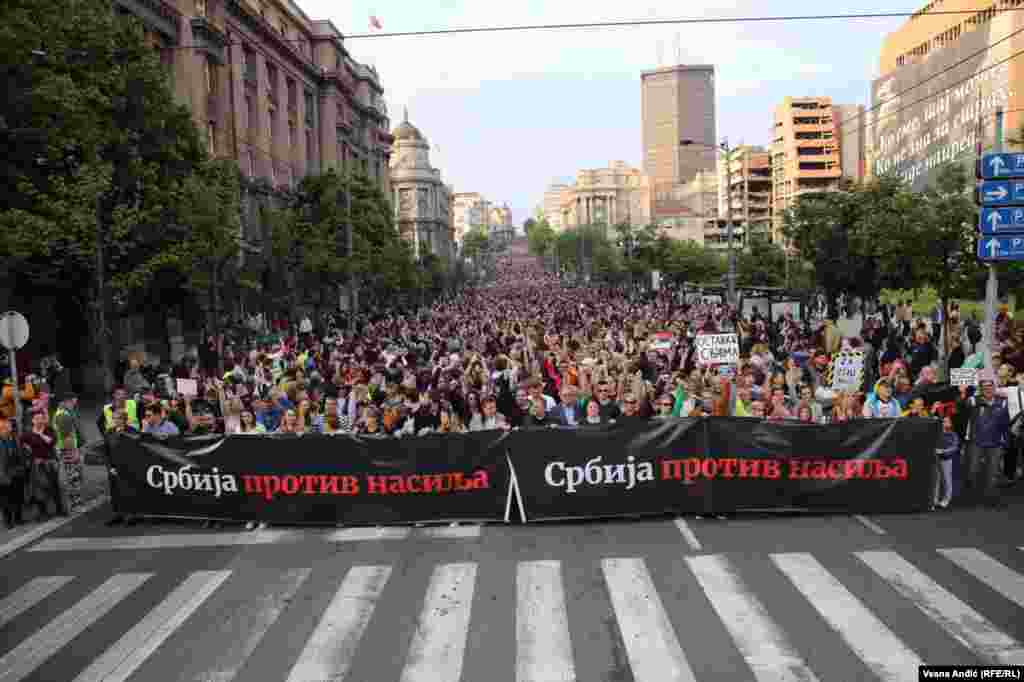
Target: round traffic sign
x=13 y=330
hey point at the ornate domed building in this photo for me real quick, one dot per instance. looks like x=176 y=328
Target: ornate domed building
x=421 y=199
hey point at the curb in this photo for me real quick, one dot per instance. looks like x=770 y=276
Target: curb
x=49 y=526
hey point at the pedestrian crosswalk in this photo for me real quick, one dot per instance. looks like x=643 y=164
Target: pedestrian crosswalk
x=650 y=608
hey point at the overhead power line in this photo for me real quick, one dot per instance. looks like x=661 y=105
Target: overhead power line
x=666 y=22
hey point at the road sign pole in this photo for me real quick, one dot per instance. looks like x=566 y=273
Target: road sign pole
x=13 y=354
x=992 y=287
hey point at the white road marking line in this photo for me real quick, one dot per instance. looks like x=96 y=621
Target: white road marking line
x=999 y=577
x=30 y=594
x=126 y=655
x=650 y=640
x=870 y=525
x=166 y=541
x=462 y=532
x=688 y=535
x=762 y=642
x=438 y=647
x=249 y=622
x=962 y=622
x=48 y=527
x=21 y=661
x=361 y=534
x=867 y=636
x=332 y=646
x=543 y=643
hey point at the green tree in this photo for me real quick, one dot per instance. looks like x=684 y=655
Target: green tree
x=528 y=226
x=945 y=258
x=761 y=263
x=100 y=154
x=475 y=244
x=541 y=237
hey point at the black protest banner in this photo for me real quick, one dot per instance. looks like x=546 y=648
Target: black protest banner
x=611 y=470
x=864 y=465
x=725 y=464
x=312 y=478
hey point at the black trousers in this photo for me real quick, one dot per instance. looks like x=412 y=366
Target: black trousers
x=1011 y=457
x=12 y=499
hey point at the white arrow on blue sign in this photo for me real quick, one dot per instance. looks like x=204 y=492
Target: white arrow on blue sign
x=999 y=221
x=997 y=166
x=1001 y=248
x=1001 y=192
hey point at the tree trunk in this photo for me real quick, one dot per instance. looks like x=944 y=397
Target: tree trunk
x=215 y=321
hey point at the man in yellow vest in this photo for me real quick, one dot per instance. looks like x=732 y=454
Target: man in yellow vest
x=120 y=402
x=69 y=455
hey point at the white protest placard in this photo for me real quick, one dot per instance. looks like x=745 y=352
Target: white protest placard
x=963 y=377
x=848 y=371
x=718 y=349
x=188 y=388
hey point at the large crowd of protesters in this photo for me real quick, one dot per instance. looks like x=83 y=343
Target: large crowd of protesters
x=528 y=351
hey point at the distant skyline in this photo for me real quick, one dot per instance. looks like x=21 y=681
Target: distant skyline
x=509 y=113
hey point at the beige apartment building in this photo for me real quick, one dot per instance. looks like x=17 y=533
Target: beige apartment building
x=678 y=103
x=470 y=211
x=748 y=175
x=805 y=153
x=966 y=51
x=273 y=89
x=610 y=196
x=552 y=206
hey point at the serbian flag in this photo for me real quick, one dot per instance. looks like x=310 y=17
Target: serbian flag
x=375 y=23
x=662 y=341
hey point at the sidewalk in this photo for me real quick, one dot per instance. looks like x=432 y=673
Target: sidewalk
x=94 y=492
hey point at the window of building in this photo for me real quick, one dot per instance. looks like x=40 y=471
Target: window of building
x=270 y=123
x=211 y=138
x=271 y=80
x=210 y=74
x=290 y=89
x=250 y=164
x=273 y=173
x=250 y=63
x=309 y=108
x=291 y=134
x=283 y=28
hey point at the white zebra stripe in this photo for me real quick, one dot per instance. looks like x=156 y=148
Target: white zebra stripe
x=962 y=622
x=761 y=641
x=543 y=643
x=128 y=653
x=650 y=640
x=332 y=646
x=245 y=628
x=30 y=594
x=867 y=636
x=456 y=532
x=439 y=644
x=688 y=535
x=166 y=541
x=362 y=534
x=21 y=661
x=1000 y=578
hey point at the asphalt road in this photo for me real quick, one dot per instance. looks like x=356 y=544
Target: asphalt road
x=831 y=598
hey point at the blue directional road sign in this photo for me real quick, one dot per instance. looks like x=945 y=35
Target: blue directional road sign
x=997 y=166
x=1001 y=192
x=1001 y=248
x=1001 y=221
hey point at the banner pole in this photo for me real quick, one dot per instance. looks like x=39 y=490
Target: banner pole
x=515 y=483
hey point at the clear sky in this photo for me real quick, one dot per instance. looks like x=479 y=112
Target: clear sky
x=507 y=113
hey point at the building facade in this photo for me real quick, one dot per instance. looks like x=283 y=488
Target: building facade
x=748 y=175
x=610 y=196
x=552 y=207
x=420 y=199
x=943 y=79
x=678 y=103
x=470 y=211
x=805 y=153
x=273 y=89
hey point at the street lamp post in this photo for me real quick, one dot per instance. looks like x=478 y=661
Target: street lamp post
x=731 y=275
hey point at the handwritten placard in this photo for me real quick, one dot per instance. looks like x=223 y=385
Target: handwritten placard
x=188 y=388
x=718 y=349
x=847 y=370
x=963 y=377
x=727 y=371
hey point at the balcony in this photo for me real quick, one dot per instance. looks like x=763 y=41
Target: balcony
x=827 y=173
x=208 y=39
x=157 y=15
